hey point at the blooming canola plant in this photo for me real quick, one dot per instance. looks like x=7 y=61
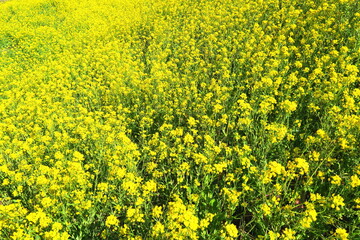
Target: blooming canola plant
x=179 y=119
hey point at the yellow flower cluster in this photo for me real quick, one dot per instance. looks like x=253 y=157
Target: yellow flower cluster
x=179 y=119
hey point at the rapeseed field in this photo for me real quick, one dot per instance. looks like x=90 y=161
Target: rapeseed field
x=179 y=119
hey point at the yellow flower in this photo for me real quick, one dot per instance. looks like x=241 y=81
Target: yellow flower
x=277 y=132
x=267 y=105
x=191 y=121
x=134 y=215
x=265 y=209
x=302 y=165
x=273 y=235
x=77 y=156
x=47 y=202
x=336 y=180
x=217 y=108
x=321 y=175
x=149 y=186
x=58 y=155
x=338 y=202
x=157 y=211
x=5 y=182
x=124 y=230
x=112 y=221
x=276 y=167
x=158 y=229
x=56 y=226
x=310 y=215
x=188 y=138
x=298 y=64
x=20 y=234
x=288 y=234
x=288 y=106
x=204 y=223
x=357 y=201
x=355 y=181
x=315 y=196
x=341 y=233
x=344 y=49
x=232 y=195
x=44 y=220
x=321 y=133
x=32 y=217
x=231 y=230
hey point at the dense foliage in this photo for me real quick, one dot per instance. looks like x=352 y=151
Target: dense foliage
x=179 y=119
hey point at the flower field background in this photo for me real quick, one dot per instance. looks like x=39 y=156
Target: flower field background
x=179 y=119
